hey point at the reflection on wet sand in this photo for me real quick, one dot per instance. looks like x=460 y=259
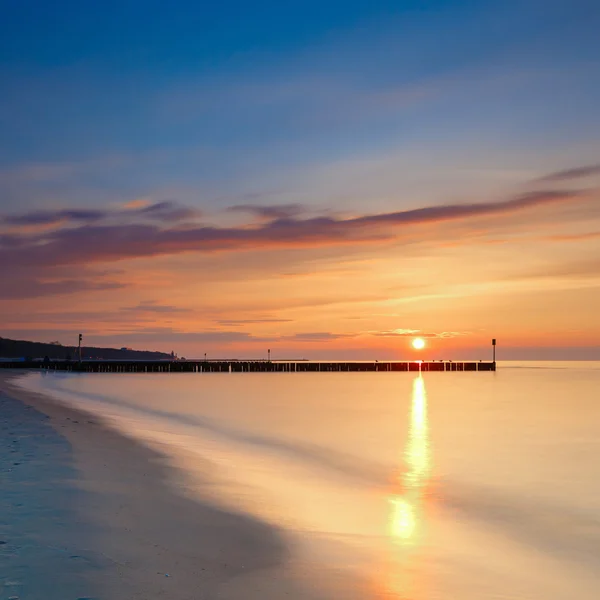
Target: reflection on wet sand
x=407 y=522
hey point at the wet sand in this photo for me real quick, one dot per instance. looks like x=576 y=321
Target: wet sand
x=88 y=513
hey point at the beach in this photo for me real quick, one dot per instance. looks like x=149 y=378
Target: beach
x=88 y=513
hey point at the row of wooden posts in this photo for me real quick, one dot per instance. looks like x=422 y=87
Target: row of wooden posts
x=181 y=366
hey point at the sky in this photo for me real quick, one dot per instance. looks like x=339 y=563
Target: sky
x=323 y=179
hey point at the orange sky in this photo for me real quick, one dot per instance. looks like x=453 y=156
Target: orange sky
x=309 y=283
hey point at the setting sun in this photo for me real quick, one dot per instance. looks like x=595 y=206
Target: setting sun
x=418 y=343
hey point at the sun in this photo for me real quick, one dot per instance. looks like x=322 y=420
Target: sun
x=418 y=343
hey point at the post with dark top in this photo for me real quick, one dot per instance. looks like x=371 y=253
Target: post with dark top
x=269 y=354
x=79 y=347
x=494 y=352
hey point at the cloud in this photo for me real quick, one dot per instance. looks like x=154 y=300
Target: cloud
x=94 y=243
x=581 y=269
x=152 y=307
x=168 y=210
x=62 y=260
x=47 y=217
x=569 y=174
x=396 y=333
x=169 y=334
x=270 y=213
x=318 y=336
x=166 y=334
x=137 y=203
x=417 y=332
x=461 y=211
x=34 y=288
x=94 y=320
x=234 y=322
x=572 y=237
x=8 y=240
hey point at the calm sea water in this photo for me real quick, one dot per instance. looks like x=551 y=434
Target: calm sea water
x=388 y=485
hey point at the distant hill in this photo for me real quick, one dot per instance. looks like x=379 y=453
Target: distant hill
x=23 y=349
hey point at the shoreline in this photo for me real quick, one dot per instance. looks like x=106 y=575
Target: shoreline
x=102 y=516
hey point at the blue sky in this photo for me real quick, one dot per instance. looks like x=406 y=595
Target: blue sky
x=334 y=110
x=139 y=98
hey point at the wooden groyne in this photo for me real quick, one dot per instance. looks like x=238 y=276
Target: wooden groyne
x=247 y=366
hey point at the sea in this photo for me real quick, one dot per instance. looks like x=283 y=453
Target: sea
x=407 y=486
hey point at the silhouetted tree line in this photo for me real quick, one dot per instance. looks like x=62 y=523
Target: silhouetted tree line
x=31 y=350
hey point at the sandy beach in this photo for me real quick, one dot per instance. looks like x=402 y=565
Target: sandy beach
x=88 y=513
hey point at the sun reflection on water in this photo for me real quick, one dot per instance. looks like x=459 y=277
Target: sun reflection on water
x=407 y=518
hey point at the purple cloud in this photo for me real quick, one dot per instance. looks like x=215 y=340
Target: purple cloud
x=270 y=213
x=569 y=174
x=458 y=211
x=34 y=288
x=152 y=307
x=48 y=217
x=169 y=211
x=98 y=242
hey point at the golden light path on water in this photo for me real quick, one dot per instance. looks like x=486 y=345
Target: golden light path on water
x=407 y=520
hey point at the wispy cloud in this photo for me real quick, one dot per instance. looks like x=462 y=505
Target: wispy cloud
x=573 y=237
x=588 y=268
x=235 y=322
x=270 y=213
x=153 y=307
x=419 y=333
x=167 y=211
x=21 y=287
x=166 y=334
x=112 y=242
x=570 y=174
x=458 y=211
x=56 y=217
x=316 y=336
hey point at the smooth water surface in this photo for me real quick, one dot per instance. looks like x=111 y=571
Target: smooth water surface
x=392 y=485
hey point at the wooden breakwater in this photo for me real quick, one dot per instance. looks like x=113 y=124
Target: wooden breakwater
x=247 y=366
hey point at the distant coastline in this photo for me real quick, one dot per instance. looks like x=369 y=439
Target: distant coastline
x=30 y=350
